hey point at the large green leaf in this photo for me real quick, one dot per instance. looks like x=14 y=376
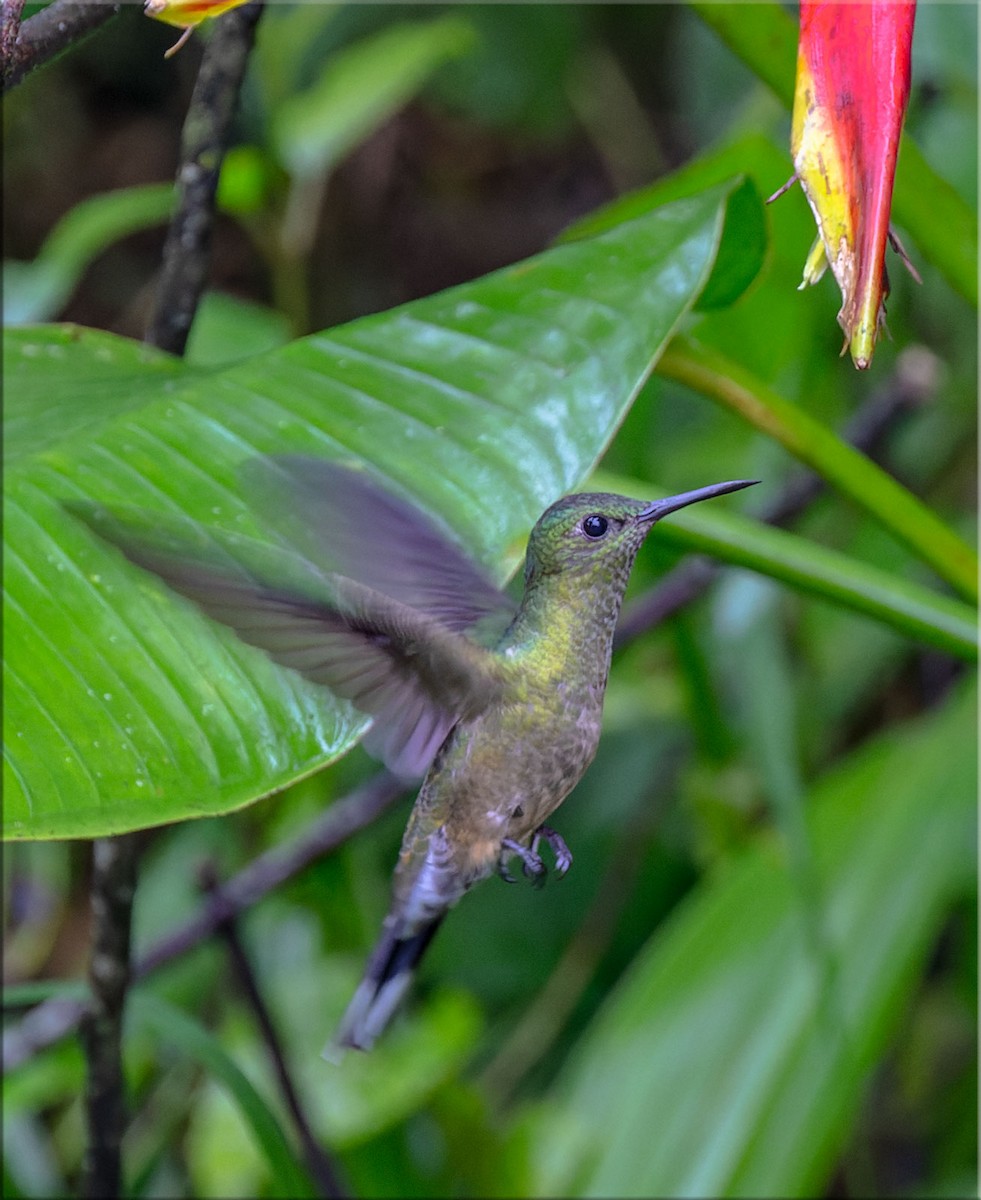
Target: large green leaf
x=730 y=1062
x=745 y=219
x=124 y=706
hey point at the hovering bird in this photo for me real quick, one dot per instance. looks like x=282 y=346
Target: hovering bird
x=497 y=704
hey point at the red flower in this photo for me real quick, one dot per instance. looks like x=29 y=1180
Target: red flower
x=853 y=78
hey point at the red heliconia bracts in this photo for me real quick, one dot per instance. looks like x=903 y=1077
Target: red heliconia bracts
x=853 y=80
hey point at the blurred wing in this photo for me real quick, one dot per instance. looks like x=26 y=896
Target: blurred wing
x=343 y=519
x=413 y=675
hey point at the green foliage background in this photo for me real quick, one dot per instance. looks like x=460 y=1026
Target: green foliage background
x=760 y=977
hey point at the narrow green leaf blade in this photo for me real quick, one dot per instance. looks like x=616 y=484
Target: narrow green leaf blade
x=912 y=609
x=170 y=1024
x=360 y=87
x=37 y=291
x=906 y=517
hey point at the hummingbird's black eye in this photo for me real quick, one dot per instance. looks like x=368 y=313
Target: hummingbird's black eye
x=595 y=526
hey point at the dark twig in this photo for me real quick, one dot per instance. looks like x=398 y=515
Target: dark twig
x=318 y=1164
x=910 y=386
x=10 y=13
x=206 y=133
x=207 y=127
x=341 y=822
x=53 y=1019
x=113 y=883
x=47 y=33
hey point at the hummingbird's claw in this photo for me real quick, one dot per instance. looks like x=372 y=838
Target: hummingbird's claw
x=531 y=863
x=504 y=873
x=563 y=855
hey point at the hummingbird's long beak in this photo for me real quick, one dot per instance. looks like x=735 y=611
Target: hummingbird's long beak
x=660 y=508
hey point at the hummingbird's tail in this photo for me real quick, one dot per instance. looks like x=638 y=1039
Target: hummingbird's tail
x=386 y=979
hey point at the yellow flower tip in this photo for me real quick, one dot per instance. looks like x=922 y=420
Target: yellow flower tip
x=870 y=326
x=815 y=266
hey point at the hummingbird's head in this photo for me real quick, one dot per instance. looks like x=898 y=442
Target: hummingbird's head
x=597 y=531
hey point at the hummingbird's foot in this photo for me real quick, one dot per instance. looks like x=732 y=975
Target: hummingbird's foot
x=531 y=863
x=563 y=855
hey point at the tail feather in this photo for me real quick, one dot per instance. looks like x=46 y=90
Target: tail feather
x=386 y=979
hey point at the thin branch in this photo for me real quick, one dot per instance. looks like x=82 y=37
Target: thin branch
x=51 y=1020
x=10 y=14
x=318 y=1163
x=48 y=33
x=113 y=884
x=206 y=133
x=207 y=129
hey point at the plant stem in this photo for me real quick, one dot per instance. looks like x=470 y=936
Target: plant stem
x=53 y=1019
x=47 y=33
x=113 y=884
x=907 y=518
x=204 y=140
x=317 y=1162
x=911 y=386
x=186 y=258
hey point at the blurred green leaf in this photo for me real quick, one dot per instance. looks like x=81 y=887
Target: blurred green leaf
x=516 y=77
x=37 y=291
x=292 y=43
x=245 y=180
x=360 y=87
x=126 y=707
x=365 y=1094
x=286 y=1176
x=745 y=1087
x=16 y=995
x=741 y=252
x=30 y=1166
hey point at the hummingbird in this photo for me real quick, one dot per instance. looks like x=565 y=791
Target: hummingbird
x=495 y=705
